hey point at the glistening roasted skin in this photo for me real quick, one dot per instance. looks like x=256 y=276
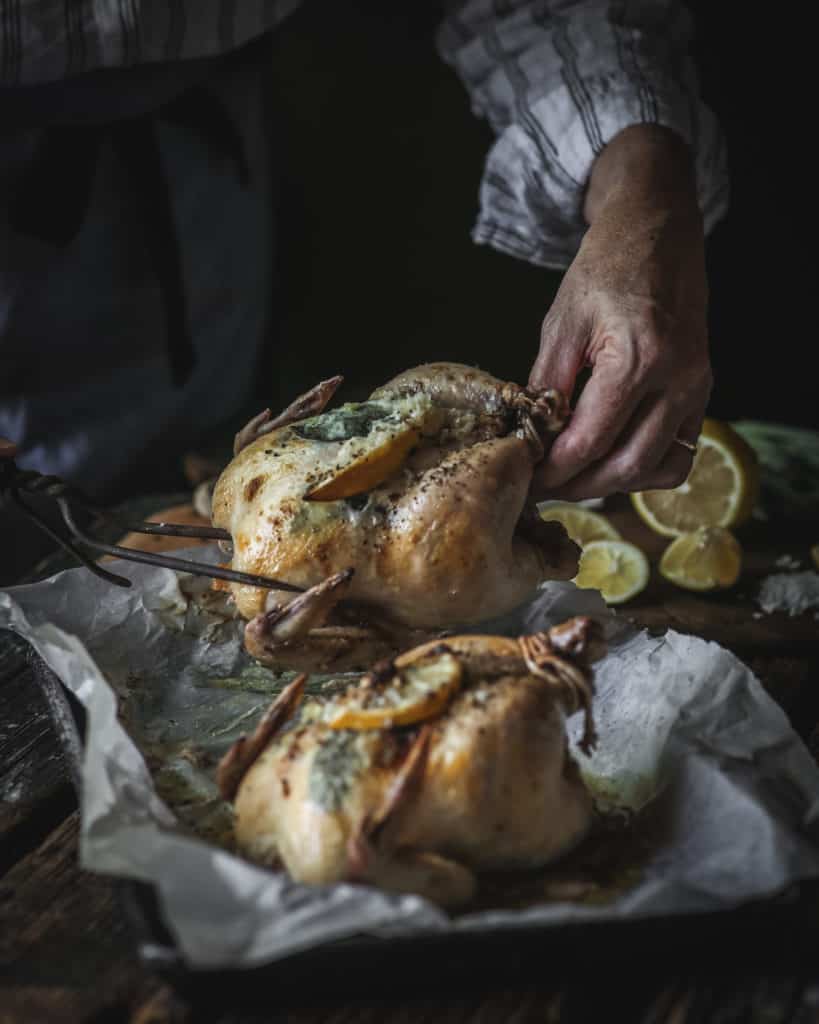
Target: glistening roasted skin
x=448 y=539
x=487 y=785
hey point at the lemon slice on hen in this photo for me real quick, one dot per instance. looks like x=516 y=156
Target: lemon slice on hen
x=582 y=524
x=721 y=489
x=706 y=559
x=413 y=694
x=617 y=569
x=368 y=467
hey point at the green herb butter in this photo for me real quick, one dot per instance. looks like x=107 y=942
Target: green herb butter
x=355 y=419
x=335 y=766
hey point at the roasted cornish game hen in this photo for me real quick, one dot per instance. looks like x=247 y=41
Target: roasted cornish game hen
x=448 y=761
x=401 y=516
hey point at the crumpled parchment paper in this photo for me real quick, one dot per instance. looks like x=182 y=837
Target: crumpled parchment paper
x=682 y=722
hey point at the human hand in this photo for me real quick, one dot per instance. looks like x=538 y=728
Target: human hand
x=633 y=308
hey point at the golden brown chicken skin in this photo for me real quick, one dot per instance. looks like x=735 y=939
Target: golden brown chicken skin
x=434 y=528
x=480 y=780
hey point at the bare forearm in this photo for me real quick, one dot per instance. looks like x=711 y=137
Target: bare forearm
x=632 y=306
x=643 y=166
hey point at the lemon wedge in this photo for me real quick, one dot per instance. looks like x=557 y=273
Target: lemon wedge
x=369 y=467
x=721 y=489
x=415 y=693
x=617 y=569
x=706 y=559
x=582 y=524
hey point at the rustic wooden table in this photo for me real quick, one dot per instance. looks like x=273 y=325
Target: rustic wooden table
x=67 y=954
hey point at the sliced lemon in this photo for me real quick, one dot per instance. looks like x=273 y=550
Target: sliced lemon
x=415 y=693
x=707 y=559
x=721 y=489
x=582 y=524
x=368 y=468
x=617 y=569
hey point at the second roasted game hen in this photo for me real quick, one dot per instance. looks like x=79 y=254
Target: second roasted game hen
x=401 y=516
x=447 y=762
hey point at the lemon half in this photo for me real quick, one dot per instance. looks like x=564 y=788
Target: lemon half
x=706 y=559
x=721 y=489
x=617 y=569
x=582 y=524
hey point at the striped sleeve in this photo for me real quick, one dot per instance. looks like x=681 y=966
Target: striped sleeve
x=557 y=80
x=48 y=40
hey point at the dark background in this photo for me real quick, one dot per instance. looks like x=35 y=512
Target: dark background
x=380 y=159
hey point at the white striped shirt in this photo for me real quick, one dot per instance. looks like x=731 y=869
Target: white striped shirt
x=557 y=79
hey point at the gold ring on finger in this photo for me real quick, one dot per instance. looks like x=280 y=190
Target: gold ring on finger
x=687 y=444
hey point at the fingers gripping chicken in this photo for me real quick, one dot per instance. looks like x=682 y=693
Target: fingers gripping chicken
x=448 y=761
x=400 y=515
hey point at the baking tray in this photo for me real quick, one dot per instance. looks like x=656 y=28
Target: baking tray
x=775 y=935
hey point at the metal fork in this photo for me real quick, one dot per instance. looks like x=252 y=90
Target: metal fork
x=17 y=485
